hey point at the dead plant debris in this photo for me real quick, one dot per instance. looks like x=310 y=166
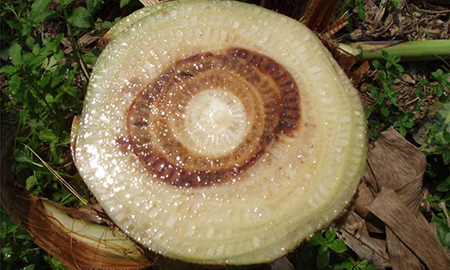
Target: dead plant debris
x=386 y=226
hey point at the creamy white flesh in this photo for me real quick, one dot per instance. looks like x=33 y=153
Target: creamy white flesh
x=299 y=185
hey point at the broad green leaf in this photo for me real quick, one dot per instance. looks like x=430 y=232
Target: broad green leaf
x=43 y=16
x=39 y=6
x=317 y=239
x=338 y=246
x=23 y=159
x=81 y=18
x=49 y=63
x=15 y=54
x=374 y=92
x=347 y=264
x=65 y=3
x=376 y=64
x=444 y=185
x=29 y=267
x=384 y=111
x=14 y=83
x=330 y=235
x=385 y=55
x=30 y=42
x=7 y=252
x=30 y=100
x=402 y=131
x=70 y=90
x=443 y=230
x=53 y=44
x=124 y=3
x=395 y=2
x=93 y=5
x=91 y=57
x=104 y=25
x=323 y=257
x=31 y=182
x=35 y=124
x=362 y=14
x=446 y=156
x=361 y=9
x=438 y=74
x=49 y=98
x=26 y=28
x=446 y=134
x=47 y=136
x=39 y=13
x=8 y=70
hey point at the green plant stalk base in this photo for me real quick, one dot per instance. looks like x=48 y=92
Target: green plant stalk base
x=407 y=51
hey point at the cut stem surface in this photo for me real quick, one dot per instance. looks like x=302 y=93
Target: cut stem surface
x=219 y=132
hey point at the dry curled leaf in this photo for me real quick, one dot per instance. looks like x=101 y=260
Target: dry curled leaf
x=388 y=201
x=407 y=227
x=356 y=236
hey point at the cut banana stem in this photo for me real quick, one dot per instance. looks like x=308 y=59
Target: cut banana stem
x=218 y=132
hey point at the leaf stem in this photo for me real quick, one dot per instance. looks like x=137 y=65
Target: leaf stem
x=408 y=51
x=76 y=49
x=42 y=96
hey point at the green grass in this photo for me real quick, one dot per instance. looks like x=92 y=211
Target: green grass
x=47 y=70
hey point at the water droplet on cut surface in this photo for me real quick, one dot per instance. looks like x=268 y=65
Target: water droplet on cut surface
x=240 y=184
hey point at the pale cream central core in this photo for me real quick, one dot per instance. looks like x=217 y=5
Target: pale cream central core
x=216 y=122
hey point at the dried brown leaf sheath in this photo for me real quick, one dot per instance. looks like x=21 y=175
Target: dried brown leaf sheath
x=407 y=227
x=76 y=243
x=389 y=199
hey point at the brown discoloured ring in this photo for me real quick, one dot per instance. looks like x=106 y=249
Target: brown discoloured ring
x=264 y=77
x=289 y=90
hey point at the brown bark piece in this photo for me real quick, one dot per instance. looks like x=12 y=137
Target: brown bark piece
x=412 y=231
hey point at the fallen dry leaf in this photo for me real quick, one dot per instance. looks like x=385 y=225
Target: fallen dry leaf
x=388 y=205
x=410 y=229
x=401 y=256
x=356 y=236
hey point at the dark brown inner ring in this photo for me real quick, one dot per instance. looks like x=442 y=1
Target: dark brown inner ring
x=274 y=101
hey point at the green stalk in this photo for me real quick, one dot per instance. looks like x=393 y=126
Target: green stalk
x=75 y=47
x=407 y=51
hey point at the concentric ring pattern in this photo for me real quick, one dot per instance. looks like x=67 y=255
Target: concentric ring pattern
x=219 y=132
x=219 y=137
